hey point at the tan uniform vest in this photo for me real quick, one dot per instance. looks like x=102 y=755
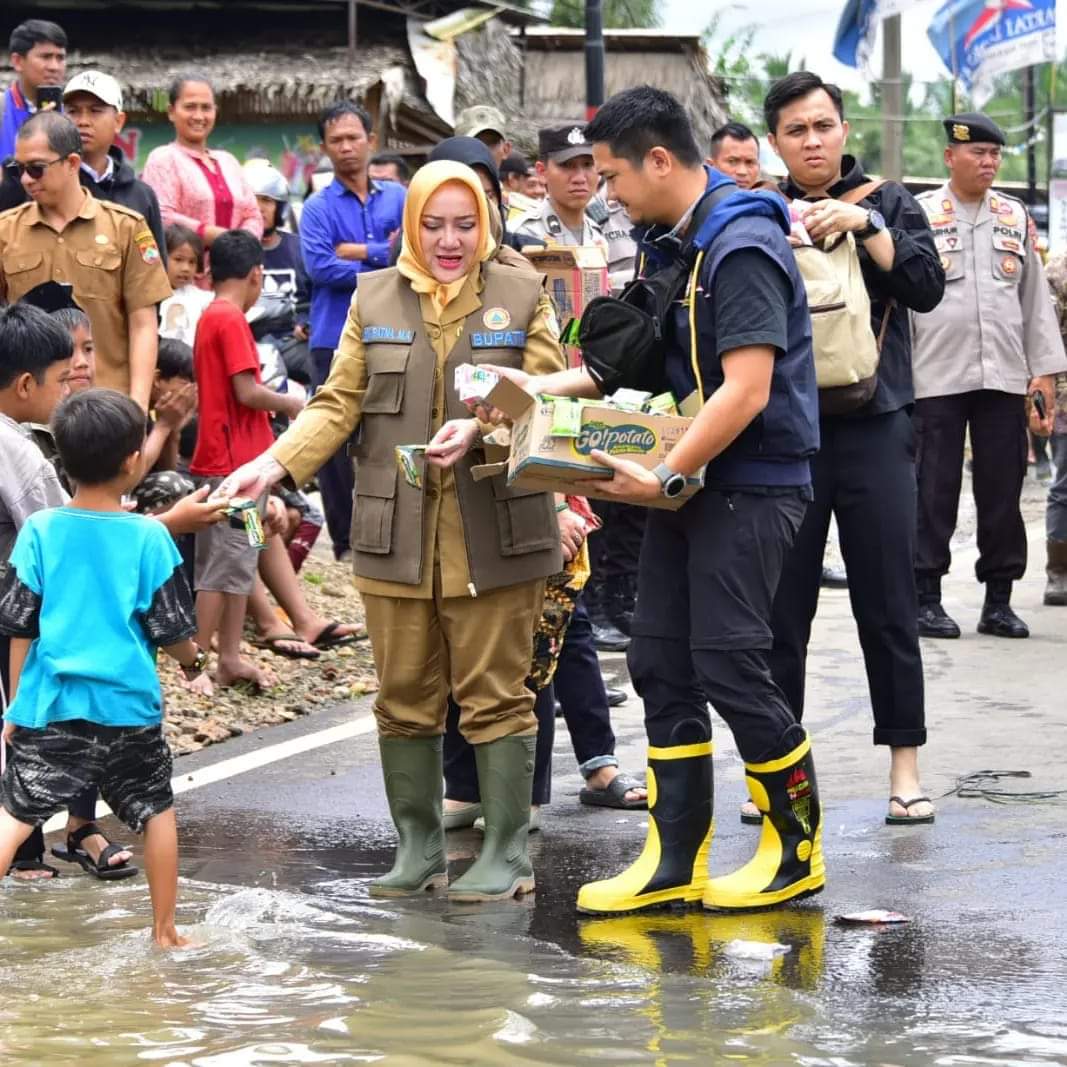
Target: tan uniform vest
x=511 y=535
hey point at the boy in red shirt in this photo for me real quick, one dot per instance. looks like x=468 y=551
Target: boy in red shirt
x=234 y=427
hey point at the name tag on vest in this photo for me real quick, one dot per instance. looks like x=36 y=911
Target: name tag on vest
x=387 y=335
x=499 y=339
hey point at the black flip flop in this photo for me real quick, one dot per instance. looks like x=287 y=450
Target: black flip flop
x=614 y=796
x=274 y=644
x=329 y=638
x=907 y=820
x=100 y=868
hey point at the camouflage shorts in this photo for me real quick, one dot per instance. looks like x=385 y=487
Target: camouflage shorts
x=130 y=765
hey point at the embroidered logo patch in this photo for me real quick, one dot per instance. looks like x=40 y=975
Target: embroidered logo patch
x=497 y=319
x=1009 y=264
x=961 y=132
x=146 y=245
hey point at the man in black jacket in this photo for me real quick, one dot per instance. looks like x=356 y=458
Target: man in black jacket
x=93 y=102
x=864 y=473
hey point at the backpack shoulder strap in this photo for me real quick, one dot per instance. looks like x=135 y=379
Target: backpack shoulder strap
x=861 y=192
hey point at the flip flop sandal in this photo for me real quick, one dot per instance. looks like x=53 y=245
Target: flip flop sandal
x=33 y=865
x=329 y=638
x=907 y=805
x=99 y=868
x=750 y=819
x=614 y=796
x=274 y=644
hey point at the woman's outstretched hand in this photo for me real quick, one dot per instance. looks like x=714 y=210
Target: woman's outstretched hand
x=452 y=442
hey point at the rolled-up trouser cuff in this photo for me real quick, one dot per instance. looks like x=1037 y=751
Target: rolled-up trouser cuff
x=900 y=738
x=591 y=766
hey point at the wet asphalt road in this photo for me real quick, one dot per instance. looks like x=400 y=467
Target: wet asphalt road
x=978 y=976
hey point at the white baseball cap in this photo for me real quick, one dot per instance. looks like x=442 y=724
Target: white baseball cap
x=97 y=84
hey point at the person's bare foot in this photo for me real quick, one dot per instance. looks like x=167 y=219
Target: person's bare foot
x=313 y=629
x=920 y=809
x=168 y=937
x=234 y=672
x=749 y=808
x=45 y=874
x=604 y=776
x=283 y=642
x=904 y=783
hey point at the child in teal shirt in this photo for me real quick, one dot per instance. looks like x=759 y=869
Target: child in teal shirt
x=89 y=593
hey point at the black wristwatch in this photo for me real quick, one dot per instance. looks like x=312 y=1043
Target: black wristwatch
x=671 y=483
x=197 y=667
x=875 y=225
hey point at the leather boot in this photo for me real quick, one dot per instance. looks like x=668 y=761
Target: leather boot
x=413 y=772
x=788 y=864
x=607 y=637
x=1056 y=569
x=673 y=865
x=998 y=620
x=934 y=621
x=505 y=781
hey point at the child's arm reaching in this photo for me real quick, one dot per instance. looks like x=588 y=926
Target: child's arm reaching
x=251 y=394
x=193 y=661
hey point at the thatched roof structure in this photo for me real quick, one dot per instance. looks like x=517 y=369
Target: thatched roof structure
x=279 y=84
x=536 y=76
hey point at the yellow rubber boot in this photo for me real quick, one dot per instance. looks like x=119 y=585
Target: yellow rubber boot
x=788 y=863
x=673 y=865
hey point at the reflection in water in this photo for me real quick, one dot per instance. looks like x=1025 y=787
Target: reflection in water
x=328 y=976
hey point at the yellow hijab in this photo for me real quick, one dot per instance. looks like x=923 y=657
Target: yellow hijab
x=411 y=263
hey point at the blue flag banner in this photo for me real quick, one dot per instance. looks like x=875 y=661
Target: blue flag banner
x=856 y=29
x=979 y=39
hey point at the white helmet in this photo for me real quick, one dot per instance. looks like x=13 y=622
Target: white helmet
x=267 y=180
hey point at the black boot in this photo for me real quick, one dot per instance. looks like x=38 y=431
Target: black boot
x=934 y=621
x=998 y=620
x=607 y=637
x=834 y=578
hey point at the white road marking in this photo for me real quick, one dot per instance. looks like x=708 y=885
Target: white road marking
x=250 y=761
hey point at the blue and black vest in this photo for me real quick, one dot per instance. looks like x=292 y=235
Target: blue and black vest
x=774 y=449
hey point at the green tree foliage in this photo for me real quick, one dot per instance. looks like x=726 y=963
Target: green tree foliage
x=747 y=75
x=617 y=14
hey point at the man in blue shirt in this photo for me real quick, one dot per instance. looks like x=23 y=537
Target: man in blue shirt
x=345 y=229
x=39 y=58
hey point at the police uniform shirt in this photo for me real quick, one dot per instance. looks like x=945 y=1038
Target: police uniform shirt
x=622 y=248
x=995 y=327
x=544 y=224
x=110 y=257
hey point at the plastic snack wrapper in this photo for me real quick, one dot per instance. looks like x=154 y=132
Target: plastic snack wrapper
x=473 y=384
x=243 y=512
x=407 y=460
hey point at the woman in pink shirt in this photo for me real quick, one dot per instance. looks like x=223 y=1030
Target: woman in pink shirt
x=200 y=188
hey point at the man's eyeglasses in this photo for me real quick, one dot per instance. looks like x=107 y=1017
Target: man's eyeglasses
x=35 y=169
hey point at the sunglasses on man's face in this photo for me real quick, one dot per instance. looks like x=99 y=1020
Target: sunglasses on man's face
x=35 y=169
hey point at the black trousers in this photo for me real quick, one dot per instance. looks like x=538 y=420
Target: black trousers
x=997 y=422
x=579 y=687
x=461 y=771
x=701 y=631
x=337 y=480
x=863 y=474
x=615 y=549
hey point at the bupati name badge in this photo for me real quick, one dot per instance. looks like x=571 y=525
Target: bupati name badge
x=499 y=339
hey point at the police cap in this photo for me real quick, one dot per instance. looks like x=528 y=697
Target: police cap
x=560 y=143
x=973 y=128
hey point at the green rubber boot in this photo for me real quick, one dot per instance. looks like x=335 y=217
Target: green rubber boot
x=413 y=772
x=505 y=779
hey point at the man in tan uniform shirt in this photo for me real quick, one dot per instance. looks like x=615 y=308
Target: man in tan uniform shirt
x=104 y=251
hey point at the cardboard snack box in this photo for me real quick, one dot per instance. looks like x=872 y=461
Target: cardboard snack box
x=539 y=459
x=574 y=276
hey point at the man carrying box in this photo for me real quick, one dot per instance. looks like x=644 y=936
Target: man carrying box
x=741 y=341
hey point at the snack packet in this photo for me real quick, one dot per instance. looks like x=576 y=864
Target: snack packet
x=629 y=399
x=243 y=512
x=664 y=404
x=566 y=417
x=473 y=384
x=407 y=462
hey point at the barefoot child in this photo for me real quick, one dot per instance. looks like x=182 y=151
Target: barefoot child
x=234 y=427
x=89 y=592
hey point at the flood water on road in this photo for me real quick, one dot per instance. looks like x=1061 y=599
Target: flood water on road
x=296 y=964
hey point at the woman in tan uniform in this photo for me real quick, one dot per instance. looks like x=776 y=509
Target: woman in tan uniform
x=452 y=573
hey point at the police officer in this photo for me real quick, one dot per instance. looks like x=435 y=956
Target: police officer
x=740 y=354
x=992 y=340
x=565 y=161
x=105 y=251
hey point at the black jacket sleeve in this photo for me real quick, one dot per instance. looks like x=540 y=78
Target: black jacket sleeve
x=917 y=279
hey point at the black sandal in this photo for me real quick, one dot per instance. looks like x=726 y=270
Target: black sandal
x=100 y=868
x=33 y=865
